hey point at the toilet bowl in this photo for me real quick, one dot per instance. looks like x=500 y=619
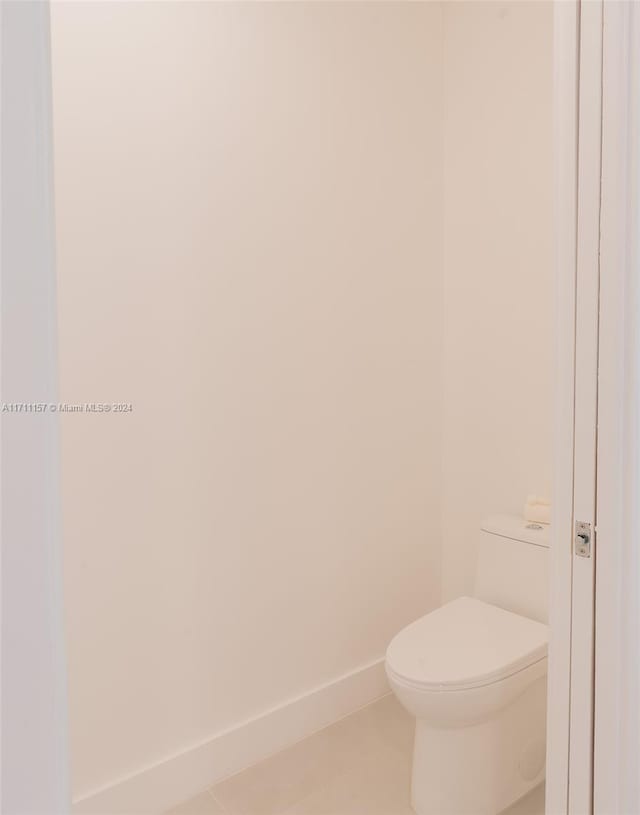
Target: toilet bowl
x=473 y=673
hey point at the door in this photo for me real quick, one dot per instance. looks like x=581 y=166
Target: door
x=587 y=307
x=578 y=153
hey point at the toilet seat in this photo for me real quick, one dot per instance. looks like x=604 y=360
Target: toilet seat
x=465 y=644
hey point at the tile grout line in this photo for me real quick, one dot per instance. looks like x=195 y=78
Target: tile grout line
x=217 y=800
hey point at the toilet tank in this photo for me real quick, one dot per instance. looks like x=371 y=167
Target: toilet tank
x=513 y=566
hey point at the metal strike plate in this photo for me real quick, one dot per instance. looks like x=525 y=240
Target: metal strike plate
x=582 y=539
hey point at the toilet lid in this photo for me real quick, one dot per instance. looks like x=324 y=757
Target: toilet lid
x=465 y=644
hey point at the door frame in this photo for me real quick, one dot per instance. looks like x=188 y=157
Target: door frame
x=615 y=753
x=33 y=709
x=617 y=630
x=565 y=171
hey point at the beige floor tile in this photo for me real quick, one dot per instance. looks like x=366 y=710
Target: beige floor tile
x=360 y=765
x=324 y=764
x=278 y=782
x=203 y=804
x=531 y=804
x=381 y=725
x=379 y=786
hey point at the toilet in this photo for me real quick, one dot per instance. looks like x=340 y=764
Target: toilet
x=473 y=674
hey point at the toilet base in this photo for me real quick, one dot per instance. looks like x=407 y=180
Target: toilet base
x=484 y=768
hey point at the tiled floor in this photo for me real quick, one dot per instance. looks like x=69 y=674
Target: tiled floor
x=359 y=766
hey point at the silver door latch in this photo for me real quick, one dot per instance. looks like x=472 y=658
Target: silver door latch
x=582 y=540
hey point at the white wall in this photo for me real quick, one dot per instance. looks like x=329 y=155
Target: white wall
x=253 y=202
x=249 y=208
x=498 y=294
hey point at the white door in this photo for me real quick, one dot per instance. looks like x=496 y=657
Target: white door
x=597 y=735
x=604 y=717
x=578 y=123
x=585 y=542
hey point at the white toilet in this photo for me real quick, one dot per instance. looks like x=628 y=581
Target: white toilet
x=473 y=673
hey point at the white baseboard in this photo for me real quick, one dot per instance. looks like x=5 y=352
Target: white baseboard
x=155 y=789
